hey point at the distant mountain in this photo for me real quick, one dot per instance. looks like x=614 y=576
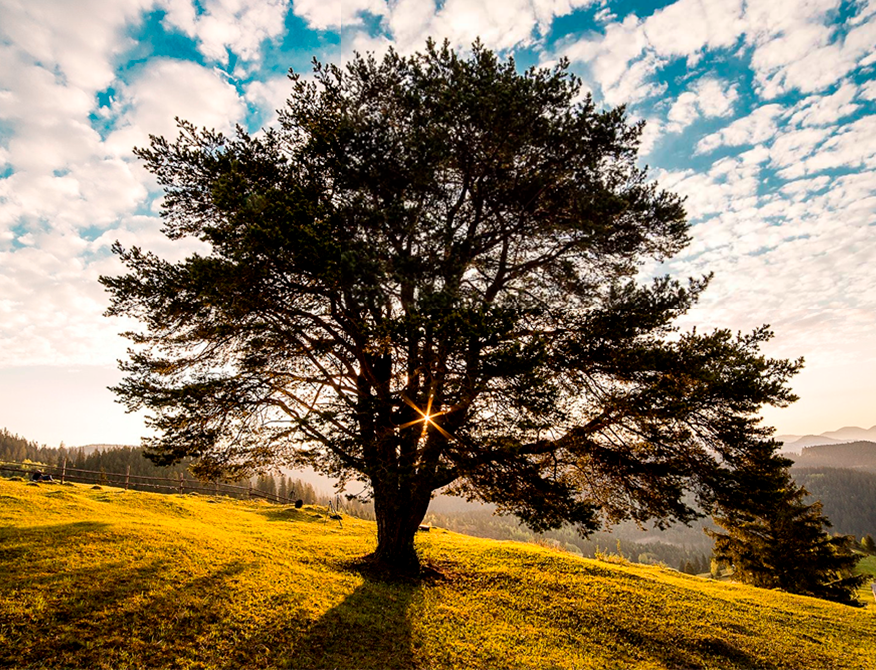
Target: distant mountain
x=852 y=433
x=794 y=443
x=810 y=441
x=860 y=455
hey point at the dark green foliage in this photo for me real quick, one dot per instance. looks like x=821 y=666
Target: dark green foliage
x=15 y=449
x=774 y=539
x=119 y=459
x=848 y=496
x=868 y=545
x=426 y=277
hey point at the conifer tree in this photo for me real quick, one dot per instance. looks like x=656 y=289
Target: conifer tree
x=283 y=488
x=773 y=539
x=868 y=545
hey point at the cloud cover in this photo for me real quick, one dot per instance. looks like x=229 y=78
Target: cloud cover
x=762 y=113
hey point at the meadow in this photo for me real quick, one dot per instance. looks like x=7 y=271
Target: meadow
x=104 y=578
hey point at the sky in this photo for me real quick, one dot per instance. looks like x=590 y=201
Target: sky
x=760 y=112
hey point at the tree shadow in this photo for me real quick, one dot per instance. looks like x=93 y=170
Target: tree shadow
x=369 y=629
x=138 y=609
x=698 y=654
x=120 y=610
x=33 y=541
x=291 y=514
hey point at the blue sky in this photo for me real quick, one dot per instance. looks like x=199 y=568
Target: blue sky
x=760 y=112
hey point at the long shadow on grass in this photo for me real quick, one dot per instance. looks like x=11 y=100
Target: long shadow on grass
x=115 y=611
x=695 y=654
x=369 y=629
x=17 y=543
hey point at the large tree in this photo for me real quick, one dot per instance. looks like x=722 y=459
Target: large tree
x=426 y=278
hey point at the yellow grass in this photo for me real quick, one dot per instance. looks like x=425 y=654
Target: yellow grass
x=113 y=579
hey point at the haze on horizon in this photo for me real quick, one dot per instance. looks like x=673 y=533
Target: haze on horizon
x=761 y=113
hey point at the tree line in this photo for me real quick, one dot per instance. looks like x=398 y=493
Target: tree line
x=848 y=496
x=16 y=449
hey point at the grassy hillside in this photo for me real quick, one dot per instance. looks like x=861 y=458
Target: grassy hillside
x=109 y=579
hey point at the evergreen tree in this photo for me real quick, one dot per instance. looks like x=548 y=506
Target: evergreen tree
x=773 y=539
x=868 y=545
x=283 y=488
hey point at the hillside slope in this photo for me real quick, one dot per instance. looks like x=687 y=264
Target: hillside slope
x=109 y=579
x=858 y=455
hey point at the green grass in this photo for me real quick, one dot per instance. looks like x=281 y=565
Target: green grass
x=867 y=566
x=109 y=579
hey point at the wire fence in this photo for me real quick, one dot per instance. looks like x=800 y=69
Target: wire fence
x=65 y=473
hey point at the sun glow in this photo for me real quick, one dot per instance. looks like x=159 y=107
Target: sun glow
x=427 y=417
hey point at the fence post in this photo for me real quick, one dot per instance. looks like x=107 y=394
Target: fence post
x=182 y=483
x=127 y=477
x=64 y=470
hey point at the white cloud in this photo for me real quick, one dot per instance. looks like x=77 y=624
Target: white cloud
x=802 y=188
x=624 y=60
x=71 y=193
x=708 y=97
x=686 y=27
x=866 y=9
x=820 y=110
x=165 y=89
x=239 y=26
x=499 y=24
x=793 y=145
x=850 y=147
x=269 y=96
x=755 y=128
x=81 y=37
x=793 y=44
x=796 y=48
x=868 y=90
x=325 y=14
x=650 y=136
x=619 y=62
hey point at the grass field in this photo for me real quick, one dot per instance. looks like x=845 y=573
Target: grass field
x=113 y=579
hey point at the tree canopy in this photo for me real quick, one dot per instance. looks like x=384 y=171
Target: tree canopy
x=426 y=277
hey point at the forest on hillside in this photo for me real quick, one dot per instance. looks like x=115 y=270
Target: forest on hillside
x=858 y=455
x=848 y=496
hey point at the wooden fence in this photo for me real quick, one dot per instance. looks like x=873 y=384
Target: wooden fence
x=65 y=473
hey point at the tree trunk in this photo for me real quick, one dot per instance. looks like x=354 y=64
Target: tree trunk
x=398 y=518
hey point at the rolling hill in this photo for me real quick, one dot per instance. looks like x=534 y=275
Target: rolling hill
x=103 y=578
x=794 y=443
x=859 y=455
